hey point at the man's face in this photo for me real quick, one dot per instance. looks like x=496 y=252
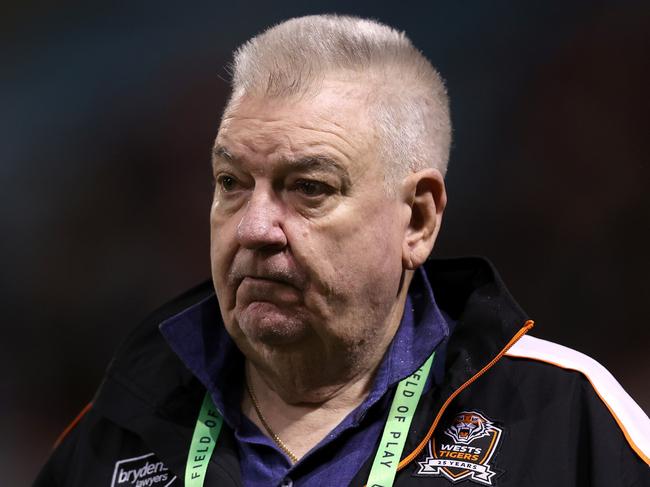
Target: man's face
x=305 y=240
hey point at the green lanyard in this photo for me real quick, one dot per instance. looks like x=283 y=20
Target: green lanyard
x=384 y=466
x=204 y=439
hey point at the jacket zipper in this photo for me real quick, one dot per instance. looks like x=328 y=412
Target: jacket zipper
x=410 y=457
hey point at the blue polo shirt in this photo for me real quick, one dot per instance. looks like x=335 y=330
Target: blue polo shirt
x=198 y=337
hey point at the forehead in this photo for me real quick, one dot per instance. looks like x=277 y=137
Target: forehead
x=332 y=122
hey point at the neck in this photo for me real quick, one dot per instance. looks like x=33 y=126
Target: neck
x=299 y=425
x=303 y=396
x=344 y=394
x=320 y=372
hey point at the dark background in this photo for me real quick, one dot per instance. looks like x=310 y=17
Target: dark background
x=107 y=115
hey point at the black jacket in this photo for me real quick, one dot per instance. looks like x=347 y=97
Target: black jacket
x=498 y=419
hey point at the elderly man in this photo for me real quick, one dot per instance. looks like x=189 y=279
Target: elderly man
x=328 y=350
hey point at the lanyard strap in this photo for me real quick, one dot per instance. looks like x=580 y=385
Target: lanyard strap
x=204 y=439
x=384 y=466
x=402 y=409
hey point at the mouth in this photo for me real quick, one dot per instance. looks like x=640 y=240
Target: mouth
x=253 y=278
x=269 y=279
x=281 y=292
x=283 y=276
x=265 y=282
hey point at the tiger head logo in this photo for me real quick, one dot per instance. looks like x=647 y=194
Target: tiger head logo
x=469 y=454
x=468 y=426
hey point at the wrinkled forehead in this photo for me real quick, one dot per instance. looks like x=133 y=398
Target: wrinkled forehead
x=329 y=98
x=335 y=118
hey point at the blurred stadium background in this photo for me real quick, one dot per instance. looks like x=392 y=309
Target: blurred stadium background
x=107 y=115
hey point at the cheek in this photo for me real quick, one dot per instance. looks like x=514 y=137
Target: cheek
x=374 y=261
x=222 y=252
x=357 y=257
x=373 y=235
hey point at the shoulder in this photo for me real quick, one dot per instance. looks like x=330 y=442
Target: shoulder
x=629 y=417
x=555 y=416
x=146 y=395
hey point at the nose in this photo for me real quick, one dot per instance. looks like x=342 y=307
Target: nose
x=261 y=224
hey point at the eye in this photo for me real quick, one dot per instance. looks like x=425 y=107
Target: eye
x=226 y=183
x=311 y=188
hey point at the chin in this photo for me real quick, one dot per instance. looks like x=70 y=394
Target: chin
x=264 y=323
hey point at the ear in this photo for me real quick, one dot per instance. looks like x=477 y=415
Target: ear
x=424 y=193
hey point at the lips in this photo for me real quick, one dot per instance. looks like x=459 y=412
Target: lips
x=261 y=289
x=277 y=278
x=279 y=268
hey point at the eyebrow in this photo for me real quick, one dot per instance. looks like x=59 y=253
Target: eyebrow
x=218 y=151
x=307 y=163
x=316 y=162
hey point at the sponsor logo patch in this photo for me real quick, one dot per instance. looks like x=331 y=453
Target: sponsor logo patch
x=464 y=450
x=143 y=471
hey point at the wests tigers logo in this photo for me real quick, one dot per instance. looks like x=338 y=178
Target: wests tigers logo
x=467 y=427
x=464 y=450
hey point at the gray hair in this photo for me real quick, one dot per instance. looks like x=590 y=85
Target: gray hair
x=408 y=101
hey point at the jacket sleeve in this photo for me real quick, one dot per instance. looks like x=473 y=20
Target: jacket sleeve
x=609 y=432
x=609 y=456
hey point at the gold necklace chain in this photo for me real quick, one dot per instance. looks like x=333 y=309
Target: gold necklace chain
x=274 y=436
